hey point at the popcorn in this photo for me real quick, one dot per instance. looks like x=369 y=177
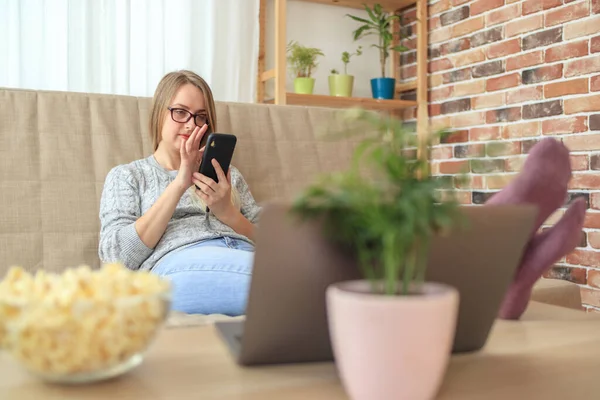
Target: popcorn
x=82 y=320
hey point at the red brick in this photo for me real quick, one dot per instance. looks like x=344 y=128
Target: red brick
x=469 y=150
x=595 y=7
x=455 y=46
x=590 y=297
x=471 y=182
x=499 y=181
x=583 y=142
x=441 y=152
x=524 y=129
x=525 y=94
x=434 y=23
x=436 y=80
x=434 y=109
x=580 y=162
x=564 y=125
x=502 y=15
x=583 y=66
x=503 y=115
x=514 y=164
x=568 y=13
x=595 y=83
x=486 y=133
x=457 y=137
x=468 y=26
x=440 y=64
x=595 y=204
x=533 y=6
x=505 y=48
x=454 y=167
x=529 y=24
x=586 y=27
x=409 y=17
x=592 y=219
x=488 y=101
x=594 y=241
x=595 y=45
x=584 y=257
x=468 y=57
x=503 y=82
x=573 y=86
x=440 y=35
x=542 y=74
x=439 y=7
x=504 y=148
x=525 y=60
x=542 y=38
x=481 y=6
x=459 y=2
x=468 y=119
x=586 y=181
x=571 y=274
x=440 y=94
x=566 y=51
x=469 y=88
x=582 y=104
x=593 y=278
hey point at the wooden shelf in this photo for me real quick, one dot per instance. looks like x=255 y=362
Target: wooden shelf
x=389 y=5
x=319 y=100
x=278 y=73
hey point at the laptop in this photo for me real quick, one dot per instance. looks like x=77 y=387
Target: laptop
x=286 y=316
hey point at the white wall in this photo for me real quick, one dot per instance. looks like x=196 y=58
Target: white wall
x=328 y=28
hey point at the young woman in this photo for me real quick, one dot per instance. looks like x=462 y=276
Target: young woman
x=153 y=216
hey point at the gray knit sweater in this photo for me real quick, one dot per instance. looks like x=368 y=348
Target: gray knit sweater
x=131 y=189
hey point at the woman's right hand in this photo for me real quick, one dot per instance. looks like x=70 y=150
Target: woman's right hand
x=191 y=157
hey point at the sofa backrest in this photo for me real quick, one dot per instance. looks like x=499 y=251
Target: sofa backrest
x=57 y=147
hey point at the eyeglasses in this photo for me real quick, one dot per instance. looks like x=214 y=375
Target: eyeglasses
x=183 y=116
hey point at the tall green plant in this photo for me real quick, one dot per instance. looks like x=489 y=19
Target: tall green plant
x=302 y=59
x=379 y=24
x=386 y=206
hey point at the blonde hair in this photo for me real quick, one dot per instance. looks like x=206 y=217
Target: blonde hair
x=163 y=95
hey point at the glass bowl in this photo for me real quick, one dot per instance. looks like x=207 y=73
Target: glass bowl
x=81 y=326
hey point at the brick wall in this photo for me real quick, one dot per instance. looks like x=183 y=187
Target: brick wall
x=513 y=72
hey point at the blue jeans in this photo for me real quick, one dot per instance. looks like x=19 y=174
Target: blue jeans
x=210 y=277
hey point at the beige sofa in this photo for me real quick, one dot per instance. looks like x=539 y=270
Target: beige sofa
x=57 y=147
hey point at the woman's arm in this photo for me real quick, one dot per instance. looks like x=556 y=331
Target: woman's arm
x=152 y=225
x=119 y=211
x=240 y=224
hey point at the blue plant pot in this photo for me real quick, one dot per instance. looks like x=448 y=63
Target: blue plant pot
x=383 y=88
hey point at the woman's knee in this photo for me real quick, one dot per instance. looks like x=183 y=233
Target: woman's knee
x=210 y=292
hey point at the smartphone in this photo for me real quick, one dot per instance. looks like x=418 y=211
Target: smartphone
x=219 y=146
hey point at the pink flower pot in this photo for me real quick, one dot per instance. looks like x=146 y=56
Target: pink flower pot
x=391 y=347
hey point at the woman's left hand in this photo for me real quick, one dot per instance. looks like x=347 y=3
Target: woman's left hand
x=217 y=196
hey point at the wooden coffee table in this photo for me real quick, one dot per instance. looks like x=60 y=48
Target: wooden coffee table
x=553 y=353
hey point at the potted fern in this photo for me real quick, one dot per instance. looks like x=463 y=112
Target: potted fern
x=379 y=24
x=342 y=84
x=392 y=332
x=303 y=62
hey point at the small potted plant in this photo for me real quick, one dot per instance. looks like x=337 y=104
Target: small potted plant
x=391 y=333
x=379 y=24
x=303 y=62
x=342 y=84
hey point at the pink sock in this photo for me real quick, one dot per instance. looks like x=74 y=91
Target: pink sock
x=542 y=252
x=543 y=181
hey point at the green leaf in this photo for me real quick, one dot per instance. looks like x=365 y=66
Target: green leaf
x=359 y=32
x=362 y=20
